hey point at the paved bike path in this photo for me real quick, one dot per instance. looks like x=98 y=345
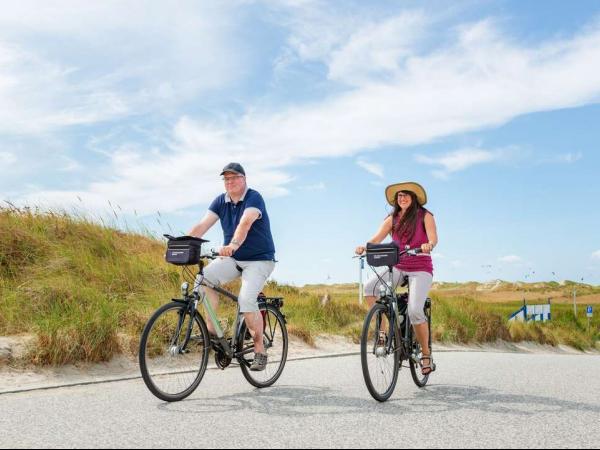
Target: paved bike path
x=474 y=399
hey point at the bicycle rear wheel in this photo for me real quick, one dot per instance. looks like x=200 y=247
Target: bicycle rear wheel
x=172 y=366
x=379 y=353
x=275 y=337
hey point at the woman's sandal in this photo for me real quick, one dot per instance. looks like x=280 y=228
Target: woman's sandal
x=426 y=369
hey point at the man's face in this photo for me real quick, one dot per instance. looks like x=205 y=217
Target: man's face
x=235 y=184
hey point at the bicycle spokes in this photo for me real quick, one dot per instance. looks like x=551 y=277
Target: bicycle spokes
x=173 y=352
x=379 y=353
x=275 y=340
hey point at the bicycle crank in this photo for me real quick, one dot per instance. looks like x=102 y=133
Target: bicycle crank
x=222 y=360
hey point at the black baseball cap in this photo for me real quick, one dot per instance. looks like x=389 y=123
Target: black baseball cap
x=234 y=167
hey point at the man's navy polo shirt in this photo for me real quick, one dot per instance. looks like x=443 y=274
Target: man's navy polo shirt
x=259 y=245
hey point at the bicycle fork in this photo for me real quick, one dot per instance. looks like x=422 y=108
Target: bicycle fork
x=175 y=349
x=387 y=349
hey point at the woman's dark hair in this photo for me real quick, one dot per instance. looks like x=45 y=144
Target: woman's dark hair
x=407 y=225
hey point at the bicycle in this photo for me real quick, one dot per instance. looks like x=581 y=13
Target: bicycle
x=387 y=338
x=175 y=343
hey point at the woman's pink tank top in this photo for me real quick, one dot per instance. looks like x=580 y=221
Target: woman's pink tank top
x=415 y=263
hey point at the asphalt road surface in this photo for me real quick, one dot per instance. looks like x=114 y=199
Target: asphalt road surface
x=474 y=399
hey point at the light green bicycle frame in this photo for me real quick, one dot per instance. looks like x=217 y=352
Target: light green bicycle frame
x=202 y=299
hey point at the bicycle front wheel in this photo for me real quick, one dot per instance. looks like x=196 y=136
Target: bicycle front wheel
x=173 y=359
x=275 y=338
x=379 y=353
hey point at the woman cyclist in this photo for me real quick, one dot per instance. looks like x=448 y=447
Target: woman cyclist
x=409 y=225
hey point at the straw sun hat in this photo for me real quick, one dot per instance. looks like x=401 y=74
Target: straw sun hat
x=392 y=190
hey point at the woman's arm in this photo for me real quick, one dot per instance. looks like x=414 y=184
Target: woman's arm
x=384 y=230
x=431 y=230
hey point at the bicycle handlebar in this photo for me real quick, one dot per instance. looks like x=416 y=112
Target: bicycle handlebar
x=409 y=251
x=412 y=251
x=212 y=255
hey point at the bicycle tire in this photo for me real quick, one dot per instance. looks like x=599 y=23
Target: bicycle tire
x=271 y=374
x=391 y=360
x=151 y=376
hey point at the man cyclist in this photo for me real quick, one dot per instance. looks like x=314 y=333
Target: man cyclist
x=248 y=250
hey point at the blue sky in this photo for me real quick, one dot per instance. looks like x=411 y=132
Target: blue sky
x=492 y=106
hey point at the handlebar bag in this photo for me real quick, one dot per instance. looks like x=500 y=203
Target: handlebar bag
x=184 y=251
x=379 y=255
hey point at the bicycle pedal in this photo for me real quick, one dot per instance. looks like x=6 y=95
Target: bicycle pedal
x=215 y=343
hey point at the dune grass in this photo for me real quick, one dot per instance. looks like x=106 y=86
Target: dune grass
x=85 y=291
x=465 y=320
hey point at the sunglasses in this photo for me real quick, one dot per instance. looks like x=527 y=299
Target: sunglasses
x=232 y=178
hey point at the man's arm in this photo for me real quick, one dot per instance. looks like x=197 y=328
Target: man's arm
x=205 y=224
x=241 y=232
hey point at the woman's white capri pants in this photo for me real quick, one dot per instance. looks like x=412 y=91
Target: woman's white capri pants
x=419 y=284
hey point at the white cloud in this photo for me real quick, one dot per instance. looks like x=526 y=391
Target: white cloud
x=566 y=158
x=373 y=168
x=165 y=56
x=377 y=49
x=69 y=165
x=7 y=158
x=356 y=44
x=316 y=29
x=169 y=181
x=458 y=160
x=314 y=187
x=572 y=157
x=456 y=264
x=476 y=78
x=596 y=255
x=510 y=259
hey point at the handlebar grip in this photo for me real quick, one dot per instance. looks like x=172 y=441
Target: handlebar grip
x=413 y=251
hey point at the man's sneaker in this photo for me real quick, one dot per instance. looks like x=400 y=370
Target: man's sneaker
x=259 y=363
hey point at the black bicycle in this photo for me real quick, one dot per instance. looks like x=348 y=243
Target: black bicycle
x=388 y=341
x=175 y=344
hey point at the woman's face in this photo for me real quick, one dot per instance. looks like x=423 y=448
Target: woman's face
x=404 y=200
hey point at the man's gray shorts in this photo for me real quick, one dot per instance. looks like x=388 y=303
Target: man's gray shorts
x=254 y=276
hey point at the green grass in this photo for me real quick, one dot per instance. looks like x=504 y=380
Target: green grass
x=465 y=320
x=76 y=284
x=85 y=291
